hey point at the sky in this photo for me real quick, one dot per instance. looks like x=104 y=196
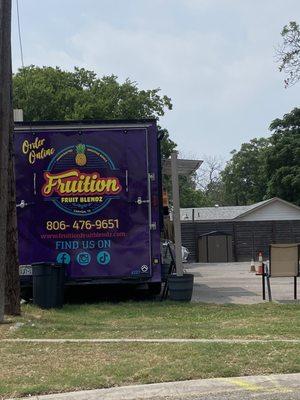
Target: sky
x=214 y=58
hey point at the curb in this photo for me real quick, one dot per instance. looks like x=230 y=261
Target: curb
x=277 y=384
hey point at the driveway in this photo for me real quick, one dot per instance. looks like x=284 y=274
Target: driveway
x=233 y=283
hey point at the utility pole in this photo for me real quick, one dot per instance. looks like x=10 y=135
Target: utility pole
x=6 y=124
x=12 y=278
x=176 y=214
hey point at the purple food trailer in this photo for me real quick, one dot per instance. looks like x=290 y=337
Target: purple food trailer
x=89 y=196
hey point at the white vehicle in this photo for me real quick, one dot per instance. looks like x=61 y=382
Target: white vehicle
x=166 y=254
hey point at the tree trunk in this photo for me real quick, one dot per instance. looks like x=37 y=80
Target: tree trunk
x=5 y=131
x=12 y=281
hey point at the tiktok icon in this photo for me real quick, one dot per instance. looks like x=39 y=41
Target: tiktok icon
x=103 y=257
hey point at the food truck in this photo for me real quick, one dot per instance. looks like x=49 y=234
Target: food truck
x=89 y=197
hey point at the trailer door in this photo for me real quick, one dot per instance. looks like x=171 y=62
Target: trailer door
x=87 y=196
x=138 y=188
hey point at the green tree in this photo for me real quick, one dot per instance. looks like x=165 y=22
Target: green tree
x=288 y=54
x=167 y=144
x=46 y=93
x=190 y=196
x=283 y=158
x=244 y=176
x=210 y=182
x=215 y=193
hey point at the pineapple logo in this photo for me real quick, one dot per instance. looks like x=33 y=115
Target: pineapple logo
x=80 y=158
x=64 y=176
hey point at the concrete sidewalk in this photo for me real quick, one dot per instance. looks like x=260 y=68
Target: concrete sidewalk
x=263 y=387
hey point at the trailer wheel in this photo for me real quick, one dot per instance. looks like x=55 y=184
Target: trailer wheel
x=26 y=294
x=154 y=288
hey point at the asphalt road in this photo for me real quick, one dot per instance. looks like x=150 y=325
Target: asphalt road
x=290 y=395
x=273 y=387
x=233 y=283
x=241 y=396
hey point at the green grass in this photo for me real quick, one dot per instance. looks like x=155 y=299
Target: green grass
x=43 y=368
x=33 y=368
x=159 y=320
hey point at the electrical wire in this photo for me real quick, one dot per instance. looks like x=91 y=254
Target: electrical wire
x=19 y=32
x=26 y=88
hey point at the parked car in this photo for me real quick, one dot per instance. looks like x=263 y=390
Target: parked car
x=166 y=256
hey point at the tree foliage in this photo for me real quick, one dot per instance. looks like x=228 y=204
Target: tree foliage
x=210 y=182
x=50 y=93
x=190 y=196
x=46 y=93
x=167 y=145
x=265 y=168
x=283 y=158
x=244 y=176
x=260 y=169
x=288 y=54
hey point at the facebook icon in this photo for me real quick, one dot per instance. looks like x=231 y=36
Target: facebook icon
x=63 y=258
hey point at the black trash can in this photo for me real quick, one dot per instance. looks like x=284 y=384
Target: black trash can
x=181 y=287
x=48 y=281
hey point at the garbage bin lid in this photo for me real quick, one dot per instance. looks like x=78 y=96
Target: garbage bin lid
x=47 y=264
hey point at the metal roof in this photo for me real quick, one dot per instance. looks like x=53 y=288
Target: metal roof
x=224 y=213
x=185 y=167
x=212 y=213
x=82 y=124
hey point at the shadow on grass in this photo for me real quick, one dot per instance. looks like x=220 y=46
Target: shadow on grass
x=224 y=295
x=106 y=293
x=89 y=294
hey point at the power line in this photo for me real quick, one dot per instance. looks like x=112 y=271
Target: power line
x=26 y=88
x=20 y=35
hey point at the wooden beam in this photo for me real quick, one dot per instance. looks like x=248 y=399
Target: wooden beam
x=176 y=214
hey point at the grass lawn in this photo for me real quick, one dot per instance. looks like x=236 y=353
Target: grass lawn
x=32 y=368
x=43 y=368
x=159 y=320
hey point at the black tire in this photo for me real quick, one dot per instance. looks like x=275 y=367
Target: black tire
x=154 y=289
x=26 y=294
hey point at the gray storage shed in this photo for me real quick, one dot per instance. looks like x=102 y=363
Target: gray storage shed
x=215 y=246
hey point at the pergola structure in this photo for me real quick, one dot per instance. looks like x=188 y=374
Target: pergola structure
x=184 y=167
x=175 y=167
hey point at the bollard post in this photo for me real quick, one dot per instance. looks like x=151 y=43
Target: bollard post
x=263 y=282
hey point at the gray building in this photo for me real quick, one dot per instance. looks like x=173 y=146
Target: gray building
x=216 y=234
